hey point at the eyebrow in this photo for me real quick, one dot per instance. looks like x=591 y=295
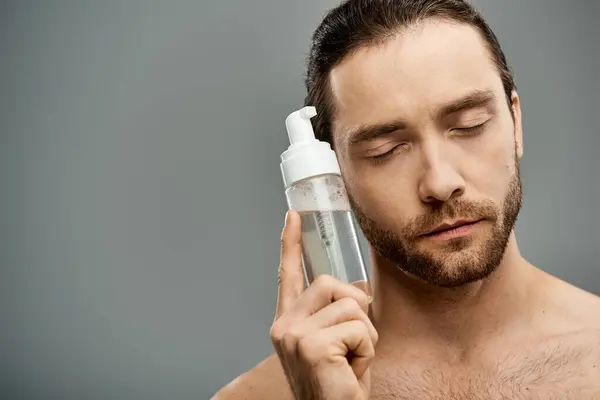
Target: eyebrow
x=370 y=132
x=476 y=99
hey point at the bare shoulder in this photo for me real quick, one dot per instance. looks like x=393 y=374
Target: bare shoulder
x=266 y=381
x=570 y=307
x=583 y=306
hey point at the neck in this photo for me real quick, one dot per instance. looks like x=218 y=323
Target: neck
x=405 y=308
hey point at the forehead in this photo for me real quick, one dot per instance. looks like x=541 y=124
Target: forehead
x=411 y=75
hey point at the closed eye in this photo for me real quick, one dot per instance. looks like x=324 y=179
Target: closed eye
x=471 y=130
x=383 y=156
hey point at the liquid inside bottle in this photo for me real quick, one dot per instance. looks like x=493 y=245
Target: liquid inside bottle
x=330 y=246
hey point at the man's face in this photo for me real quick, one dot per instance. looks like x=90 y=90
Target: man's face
x=426 y=141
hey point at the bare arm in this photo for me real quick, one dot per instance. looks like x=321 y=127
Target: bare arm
x=266 y=381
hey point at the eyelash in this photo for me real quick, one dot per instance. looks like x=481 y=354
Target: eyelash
x=383 y=156
x=471 y=131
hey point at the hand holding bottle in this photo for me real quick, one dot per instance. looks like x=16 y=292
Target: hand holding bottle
x=322 y=335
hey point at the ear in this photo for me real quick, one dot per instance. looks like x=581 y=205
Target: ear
x=516 y=111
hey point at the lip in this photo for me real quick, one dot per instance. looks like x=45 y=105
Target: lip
x=453 y=229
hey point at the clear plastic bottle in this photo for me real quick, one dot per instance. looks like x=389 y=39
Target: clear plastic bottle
x=315 y=189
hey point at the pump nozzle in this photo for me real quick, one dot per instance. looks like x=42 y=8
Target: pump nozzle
x=298 y=125
x=306 y=156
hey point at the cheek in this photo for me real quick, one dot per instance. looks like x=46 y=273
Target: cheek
x=494 y=167
x=383 y=196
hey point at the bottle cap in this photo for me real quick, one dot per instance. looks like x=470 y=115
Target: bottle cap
x=306 y=157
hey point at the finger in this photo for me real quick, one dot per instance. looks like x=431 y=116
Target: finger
x=349 y=340
x=338 y=312
x=324 y=291
x=290 y=276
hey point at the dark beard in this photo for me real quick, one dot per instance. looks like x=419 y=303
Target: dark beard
x=453 y=270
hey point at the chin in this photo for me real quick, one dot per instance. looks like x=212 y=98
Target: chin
x=463 y=271
x=451 y=268
x=456 y=275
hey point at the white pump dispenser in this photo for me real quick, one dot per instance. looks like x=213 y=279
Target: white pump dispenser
x=306 y=155
x=315 y=189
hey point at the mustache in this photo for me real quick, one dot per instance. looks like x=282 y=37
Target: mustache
x=451 y=211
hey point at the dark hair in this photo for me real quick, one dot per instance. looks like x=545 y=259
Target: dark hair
x=356 y=23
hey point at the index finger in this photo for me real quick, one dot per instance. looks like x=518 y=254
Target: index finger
x=290 y=276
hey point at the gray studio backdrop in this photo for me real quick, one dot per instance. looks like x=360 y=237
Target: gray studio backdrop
x=141 y=200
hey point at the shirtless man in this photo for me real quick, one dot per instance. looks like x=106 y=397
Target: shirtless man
x=419 y=103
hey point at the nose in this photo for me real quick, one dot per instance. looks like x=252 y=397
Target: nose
x=440 y=181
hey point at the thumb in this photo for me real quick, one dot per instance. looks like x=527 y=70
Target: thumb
x=290 y=276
